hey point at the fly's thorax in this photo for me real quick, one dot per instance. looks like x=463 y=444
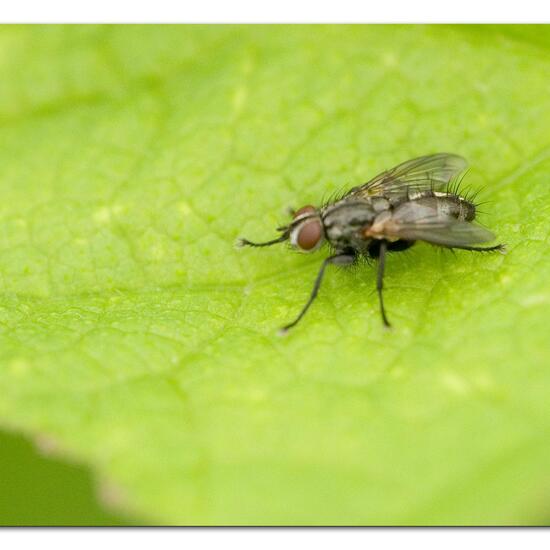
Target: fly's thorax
x=380 y=204
x=344 y=222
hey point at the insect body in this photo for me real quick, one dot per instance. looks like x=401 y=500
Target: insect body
x=415 y=201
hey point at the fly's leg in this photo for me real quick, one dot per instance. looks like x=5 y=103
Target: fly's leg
x=337 y=259
x=246 y=242
x=380 y=279
x=497 y=248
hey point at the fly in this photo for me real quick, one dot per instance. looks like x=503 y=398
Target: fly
x=415 y=201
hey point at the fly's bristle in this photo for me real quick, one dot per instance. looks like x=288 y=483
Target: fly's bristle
x=335 y=196
x=454 y=185
x=456 y=188
x=480 y=203
x=473 y=197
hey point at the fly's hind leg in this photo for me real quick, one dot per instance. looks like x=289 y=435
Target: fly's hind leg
x=380 y=279
x=497 y=248
x=378 y=249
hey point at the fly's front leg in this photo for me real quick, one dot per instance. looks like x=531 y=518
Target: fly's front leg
x=337 y=259
x=245 y=242
x=380 y=279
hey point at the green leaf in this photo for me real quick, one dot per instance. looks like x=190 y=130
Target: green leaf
x=42 y=490
x=135 y=336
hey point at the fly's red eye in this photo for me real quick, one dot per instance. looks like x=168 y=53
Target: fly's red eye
x=308 y=209
x=309 y=235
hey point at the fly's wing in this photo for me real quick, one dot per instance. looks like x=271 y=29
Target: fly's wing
x=421 y=222
x=423 y=173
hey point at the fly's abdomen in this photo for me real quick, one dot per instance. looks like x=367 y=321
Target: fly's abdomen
x=447 y=205
x=455 y=206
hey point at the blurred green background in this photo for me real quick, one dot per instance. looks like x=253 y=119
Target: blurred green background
x=140 y=345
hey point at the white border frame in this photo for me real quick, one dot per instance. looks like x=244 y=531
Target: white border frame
x=281 y=11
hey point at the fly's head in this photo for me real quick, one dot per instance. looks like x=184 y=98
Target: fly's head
x=306 y=232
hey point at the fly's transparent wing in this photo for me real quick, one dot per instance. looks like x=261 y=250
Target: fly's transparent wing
x=455 y=233
x=421 y=222
x=423 y=173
